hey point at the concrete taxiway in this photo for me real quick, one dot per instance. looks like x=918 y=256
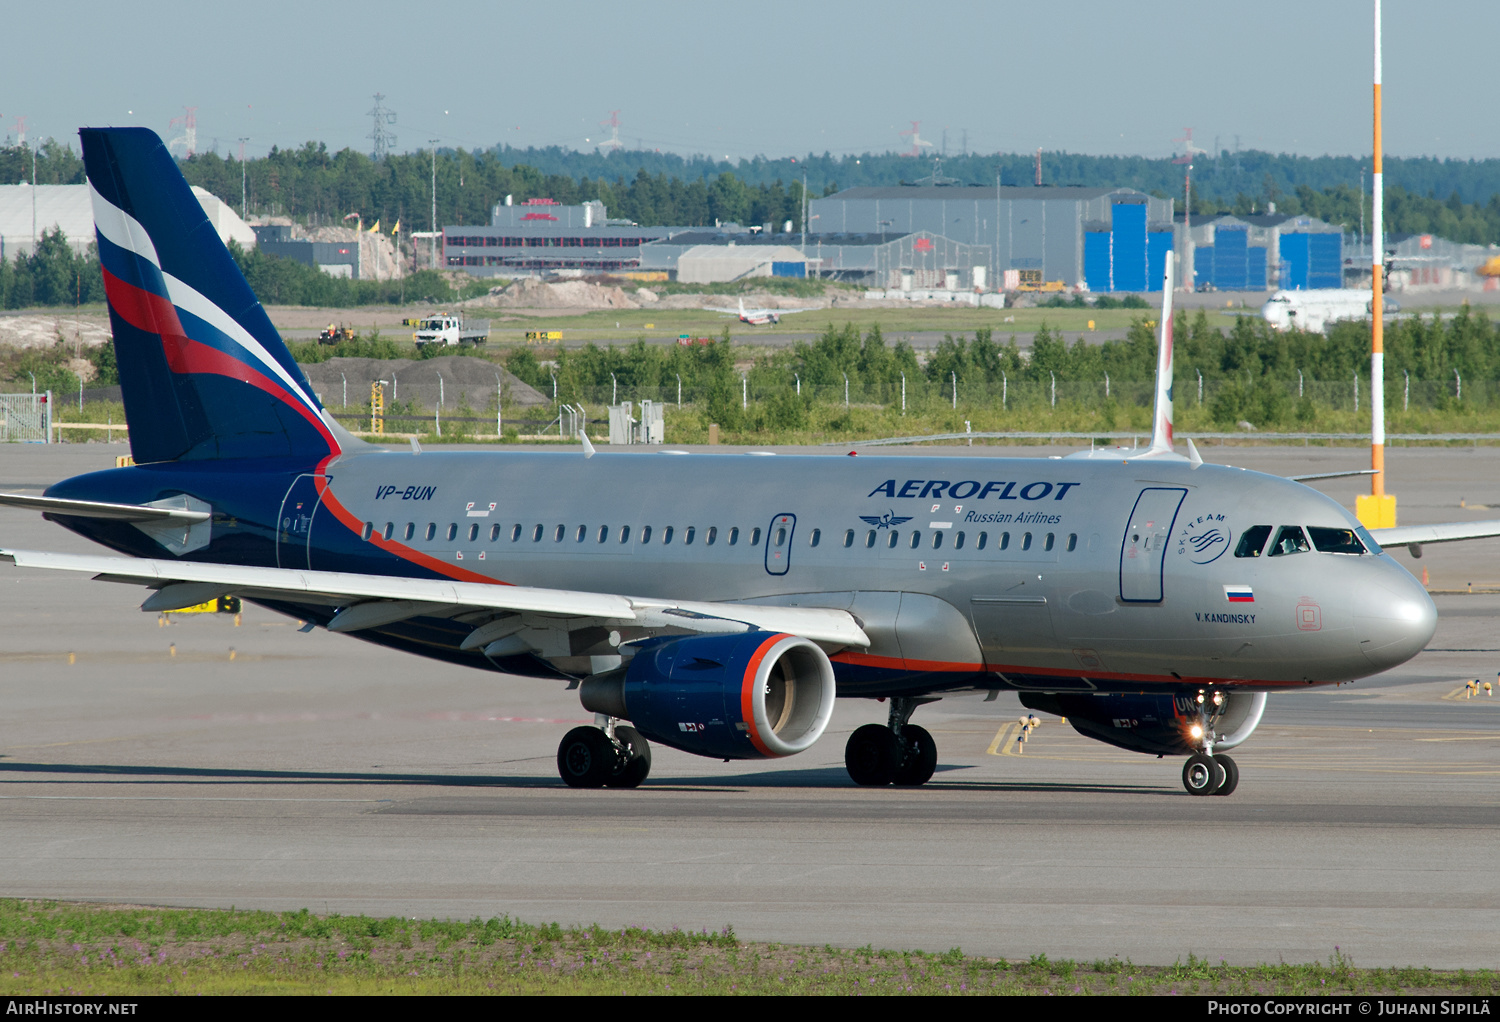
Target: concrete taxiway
x=204 y=763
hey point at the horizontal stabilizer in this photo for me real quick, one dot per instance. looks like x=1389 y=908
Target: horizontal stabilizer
x=101 y=509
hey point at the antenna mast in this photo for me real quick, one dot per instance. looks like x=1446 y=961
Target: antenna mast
x=382 y=139
x=917 y=141
x=188 y=140
x=613 y=124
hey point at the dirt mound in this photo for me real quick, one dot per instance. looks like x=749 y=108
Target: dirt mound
x=43 y=331
x=463 y=379
x=531 y=293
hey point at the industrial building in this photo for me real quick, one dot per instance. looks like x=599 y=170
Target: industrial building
x=541 y=236
x=29 y=211
x=1108 y=239
x=335 y=258
x=1265 y=252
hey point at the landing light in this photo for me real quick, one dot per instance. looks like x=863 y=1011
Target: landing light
x=1196 y=731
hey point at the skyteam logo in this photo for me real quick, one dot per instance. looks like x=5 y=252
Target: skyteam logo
x=1204 y=539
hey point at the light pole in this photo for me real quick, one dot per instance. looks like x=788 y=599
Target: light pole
x=679 y=390
x=244 y=204
x=346 y=390
x=433 y=142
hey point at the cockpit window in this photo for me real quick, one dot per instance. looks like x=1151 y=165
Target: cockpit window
x=1289 y=540
x=1335 y=541
x=1369 y=540
x=1253 y=541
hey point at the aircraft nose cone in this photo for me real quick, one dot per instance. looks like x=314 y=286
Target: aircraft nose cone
x=1394 y=618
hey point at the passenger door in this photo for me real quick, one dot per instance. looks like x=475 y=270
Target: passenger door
x=1144 y=547
x=779 y=543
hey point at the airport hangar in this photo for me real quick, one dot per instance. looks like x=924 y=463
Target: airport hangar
x=943 y=236
x=1039 y=232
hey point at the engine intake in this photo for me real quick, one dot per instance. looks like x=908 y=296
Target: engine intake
x=753 y=695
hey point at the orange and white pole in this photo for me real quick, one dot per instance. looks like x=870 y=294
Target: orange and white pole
x=1377 y=288
x=1378 y=510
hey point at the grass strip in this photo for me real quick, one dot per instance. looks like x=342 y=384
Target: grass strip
x=64 y=949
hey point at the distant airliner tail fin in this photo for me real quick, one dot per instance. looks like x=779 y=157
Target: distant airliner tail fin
x=1161 y=425
x=203 y=372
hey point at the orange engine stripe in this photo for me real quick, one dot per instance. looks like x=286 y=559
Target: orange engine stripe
x=747 y=693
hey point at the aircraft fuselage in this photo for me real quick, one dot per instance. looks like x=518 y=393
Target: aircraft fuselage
x=1035 y=574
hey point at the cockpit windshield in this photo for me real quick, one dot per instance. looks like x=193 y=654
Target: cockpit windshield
x=1294 y=539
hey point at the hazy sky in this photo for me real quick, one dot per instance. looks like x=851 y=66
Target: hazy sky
x=769 y=77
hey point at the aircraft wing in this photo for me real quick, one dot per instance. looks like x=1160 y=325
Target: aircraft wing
x=369 y=601
x=1448 y=532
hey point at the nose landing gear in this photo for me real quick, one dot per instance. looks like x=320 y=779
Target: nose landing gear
x=897 y=753
x=609 y=755
x=1204 y=773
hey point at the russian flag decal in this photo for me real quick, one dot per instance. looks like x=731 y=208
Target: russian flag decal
x=1239 y=594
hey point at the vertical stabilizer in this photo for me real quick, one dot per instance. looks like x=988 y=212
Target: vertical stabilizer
x=202 y=370
x=1161 y=425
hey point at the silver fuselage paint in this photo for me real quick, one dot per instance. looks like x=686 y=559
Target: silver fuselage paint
x=1032 y=614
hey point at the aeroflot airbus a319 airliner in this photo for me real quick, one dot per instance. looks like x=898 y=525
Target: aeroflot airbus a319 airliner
x=716 y=603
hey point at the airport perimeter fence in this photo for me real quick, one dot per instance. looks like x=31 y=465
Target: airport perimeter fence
x=922 y=394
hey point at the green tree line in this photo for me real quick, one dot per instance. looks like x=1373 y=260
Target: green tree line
x=1456 y=199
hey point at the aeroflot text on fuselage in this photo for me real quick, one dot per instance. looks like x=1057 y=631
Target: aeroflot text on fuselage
x=971 y=489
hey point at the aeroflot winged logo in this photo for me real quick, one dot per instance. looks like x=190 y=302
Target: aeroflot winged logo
x=885 y=521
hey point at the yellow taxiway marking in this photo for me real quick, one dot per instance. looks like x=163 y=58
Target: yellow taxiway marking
x=1464 y=692
x=1475 y=738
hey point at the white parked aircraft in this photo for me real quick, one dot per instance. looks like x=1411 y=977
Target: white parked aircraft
x=1314 y=310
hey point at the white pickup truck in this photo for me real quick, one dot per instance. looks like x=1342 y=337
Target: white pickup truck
x=450 y=331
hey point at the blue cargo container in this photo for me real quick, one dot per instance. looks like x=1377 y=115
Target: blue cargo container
x=1096 y=259
x=1256 y=256
x=1325 y=260
x=1203 y=266
x=1294 y=261
x=788 y=269
x=1158 y=244
x=1128 y=241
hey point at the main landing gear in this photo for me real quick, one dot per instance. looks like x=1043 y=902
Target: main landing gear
x=607 y=755
x=1204 y=773
x=896 y=753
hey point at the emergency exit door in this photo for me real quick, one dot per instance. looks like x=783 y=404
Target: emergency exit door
x=1143 y=550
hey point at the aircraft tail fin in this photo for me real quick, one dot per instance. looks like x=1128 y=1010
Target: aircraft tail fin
x=203 y=372
x=1161 y=424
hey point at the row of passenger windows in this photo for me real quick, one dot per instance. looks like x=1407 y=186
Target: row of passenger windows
x=690 y=534
x=1024 y=541
x=581 y=534
x=1295 y=539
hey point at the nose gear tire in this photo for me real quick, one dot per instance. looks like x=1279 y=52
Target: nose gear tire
x=1201 y=775
x=1231 y=775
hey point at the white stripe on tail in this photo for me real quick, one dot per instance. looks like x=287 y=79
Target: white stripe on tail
x=1161 y=426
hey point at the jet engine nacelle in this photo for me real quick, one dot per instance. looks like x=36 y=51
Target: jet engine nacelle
x=1158 y=724
x=753 y=695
